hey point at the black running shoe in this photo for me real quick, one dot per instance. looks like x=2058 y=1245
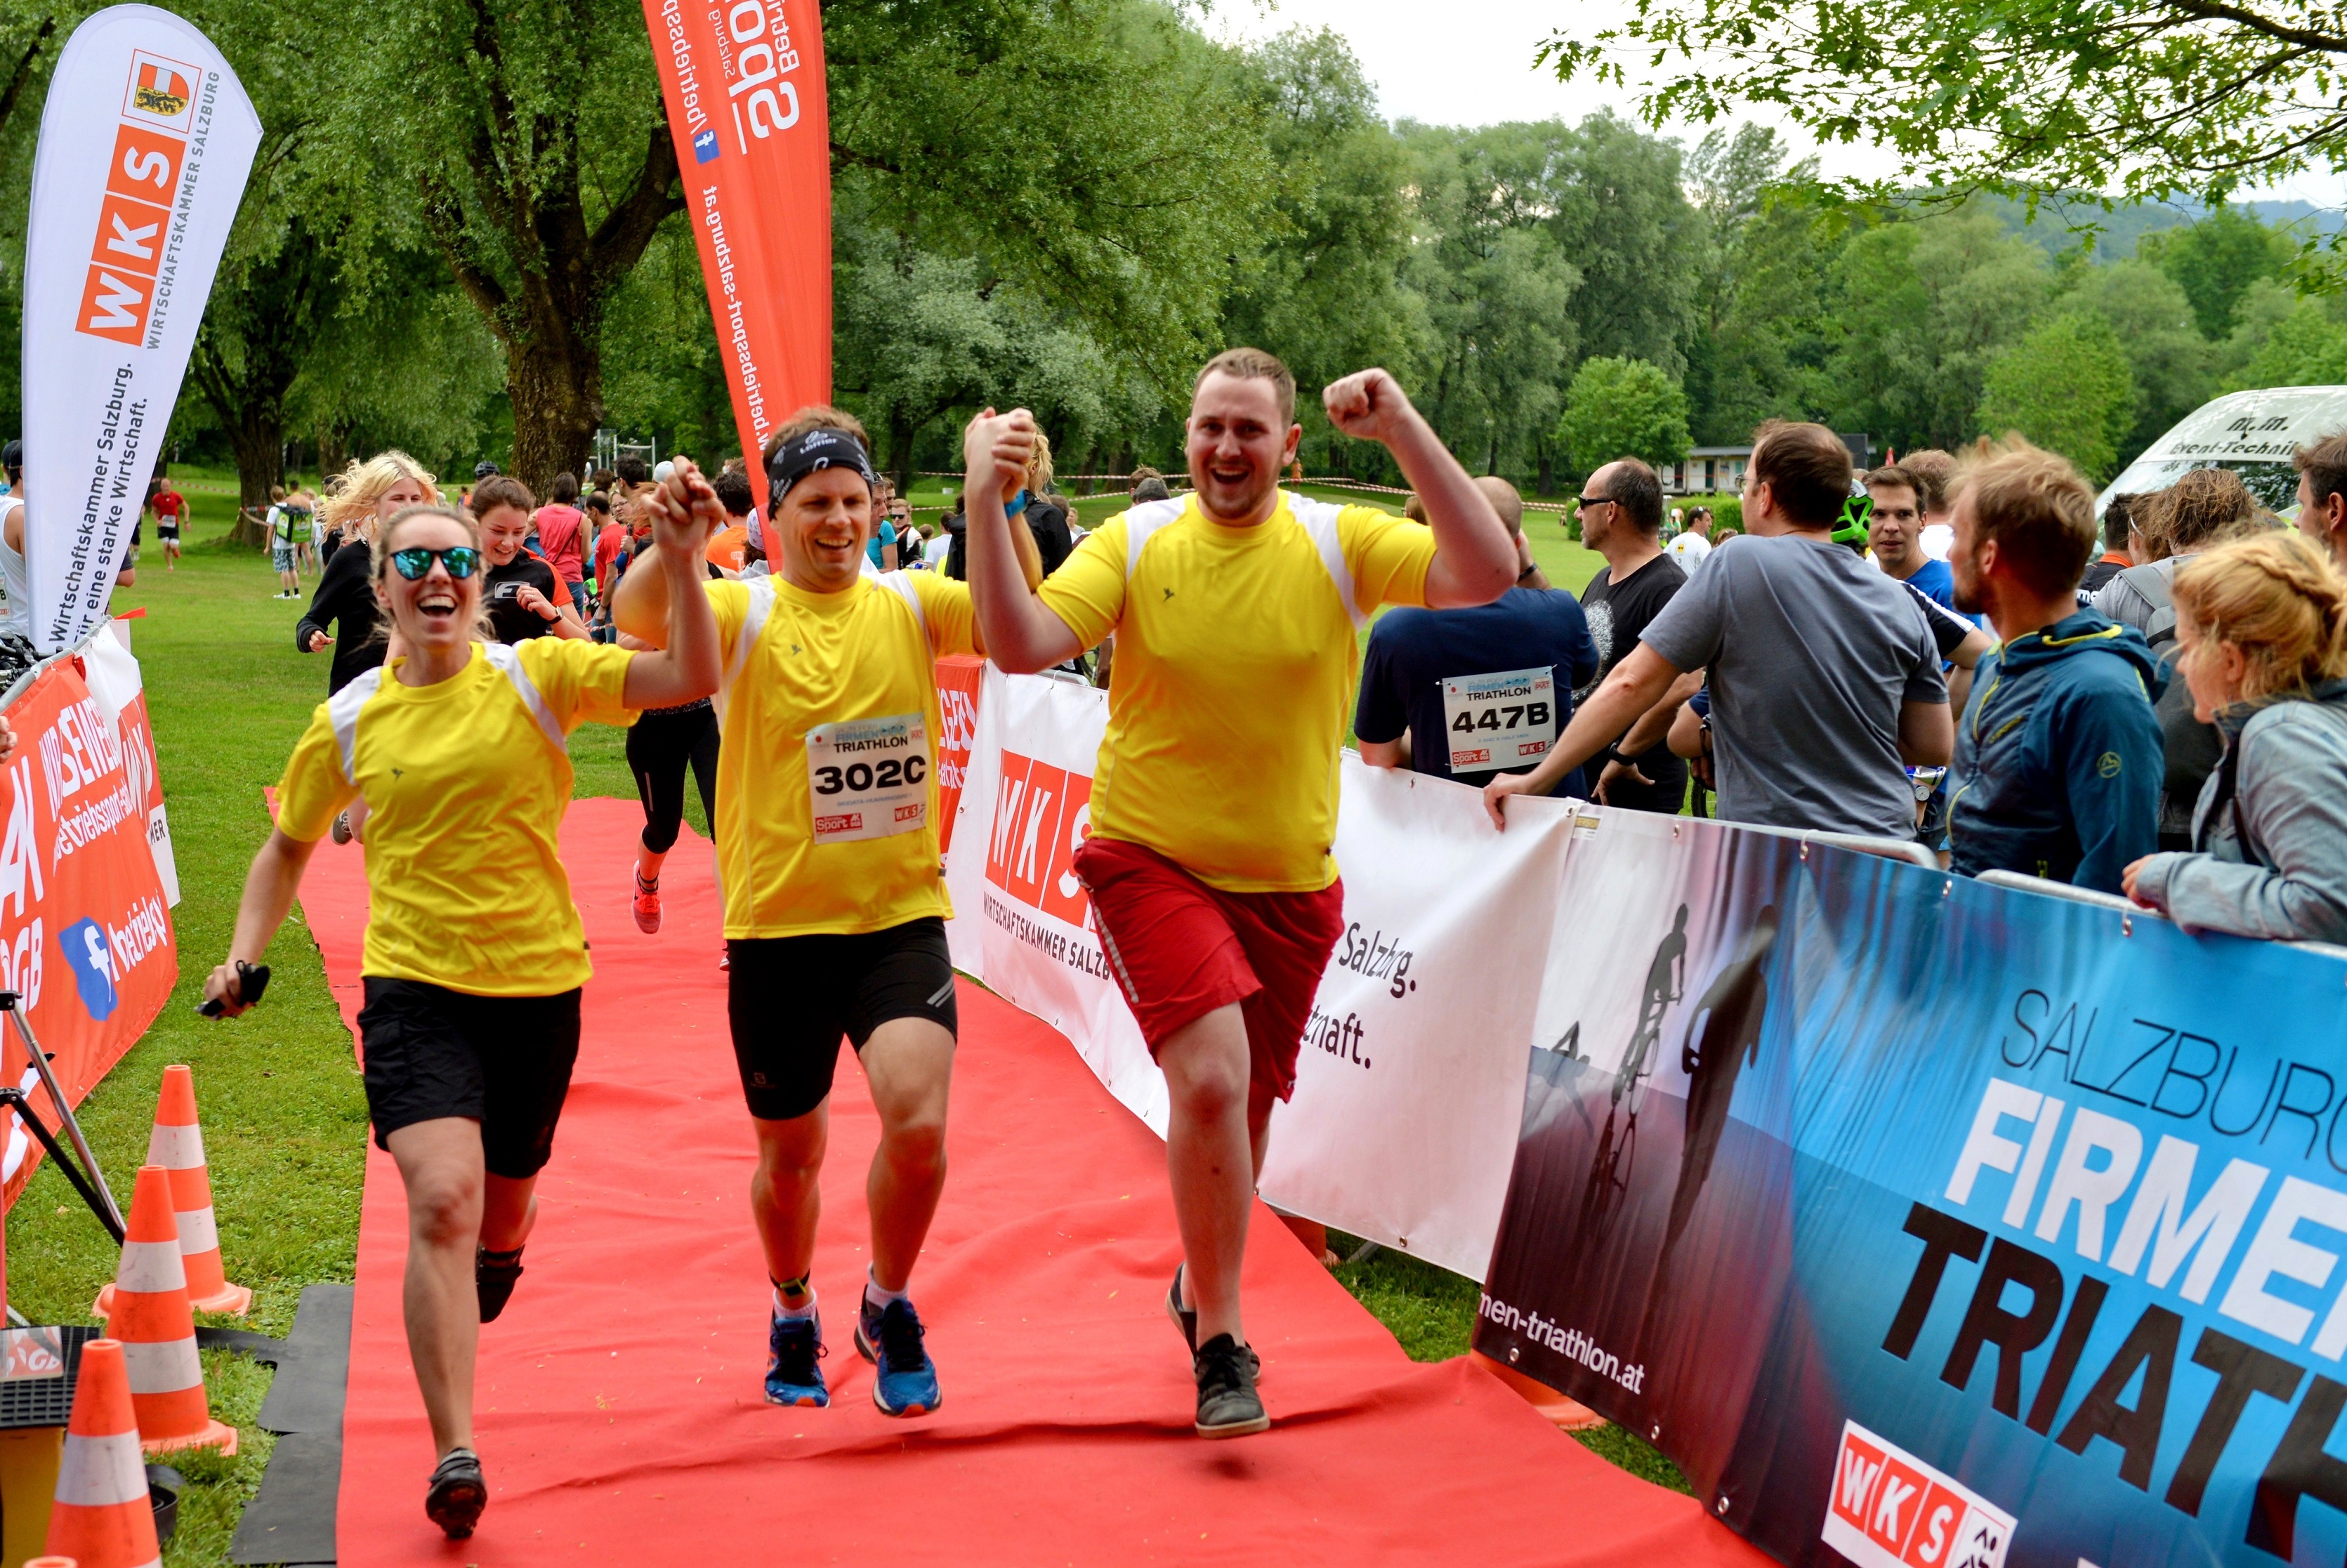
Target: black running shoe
x=1185 y=1318
x=1228 y=1406
x=457 y=1494
x=495 y=1274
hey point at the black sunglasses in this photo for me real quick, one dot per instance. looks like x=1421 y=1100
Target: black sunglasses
x=1594 y=500
x=416 y=560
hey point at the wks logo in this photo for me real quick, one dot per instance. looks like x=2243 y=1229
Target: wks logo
x=704 y=146
x=1890 y=1509
x=92 y=960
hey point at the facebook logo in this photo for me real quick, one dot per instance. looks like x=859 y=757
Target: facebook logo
x=704 y=146
x=86 y=953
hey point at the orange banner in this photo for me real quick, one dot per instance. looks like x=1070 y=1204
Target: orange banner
x=86 y=934
x=744 y=84
x=960 y=678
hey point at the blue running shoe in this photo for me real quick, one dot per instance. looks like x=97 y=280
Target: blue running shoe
x=890 y=1338
x=795 y=1345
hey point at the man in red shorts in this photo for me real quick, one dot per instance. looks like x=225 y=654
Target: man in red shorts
x=1237 y=611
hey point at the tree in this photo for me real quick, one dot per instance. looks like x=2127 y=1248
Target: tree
x=2173 y=367
x=1623 y=408
x=1759 y=344
x=2157 y=98
x=2306 y=345
x=2215 y=260
x=1919 y=309
x=528 y=144
x=2065 y=386
x=265 y=311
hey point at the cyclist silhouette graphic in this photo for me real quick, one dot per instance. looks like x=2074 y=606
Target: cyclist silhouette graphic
x=1665 y=983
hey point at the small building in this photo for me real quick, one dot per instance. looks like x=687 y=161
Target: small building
x=1719 y=470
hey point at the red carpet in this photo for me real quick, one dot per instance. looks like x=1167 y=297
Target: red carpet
x=621 y=1418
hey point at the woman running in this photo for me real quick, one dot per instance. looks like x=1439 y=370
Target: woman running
x=474 y=953
x=345 y=598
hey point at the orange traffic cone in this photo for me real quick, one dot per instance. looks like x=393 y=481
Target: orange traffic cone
x=158 y=1331
x=176 y=1144
x=102 y=1517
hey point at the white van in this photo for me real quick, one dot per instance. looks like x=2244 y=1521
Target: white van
x=2251 y=433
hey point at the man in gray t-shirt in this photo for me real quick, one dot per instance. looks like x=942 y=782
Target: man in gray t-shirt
x=1813 y=655
x=1824 y=675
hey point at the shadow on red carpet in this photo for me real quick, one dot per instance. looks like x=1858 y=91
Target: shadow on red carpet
x=619 y=1412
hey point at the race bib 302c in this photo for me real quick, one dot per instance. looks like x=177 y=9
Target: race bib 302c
x=1503 y=720
x=868 y=778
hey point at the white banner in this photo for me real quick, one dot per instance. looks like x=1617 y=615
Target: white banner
x=1410 y=1092
x=146 y=141
x=1023 y=923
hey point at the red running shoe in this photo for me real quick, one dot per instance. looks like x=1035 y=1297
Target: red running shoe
x=648 y=906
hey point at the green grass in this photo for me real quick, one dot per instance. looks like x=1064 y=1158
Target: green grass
x=1431 y=1311
x=284 y=1113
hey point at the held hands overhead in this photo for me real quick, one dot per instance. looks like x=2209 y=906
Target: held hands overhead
x=1005 y=441
x=684 y=509
x=1367 y=405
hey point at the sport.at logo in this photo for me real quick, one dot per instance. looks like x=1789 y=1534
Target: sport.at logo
x=1890 y=1509
x=1043 y=814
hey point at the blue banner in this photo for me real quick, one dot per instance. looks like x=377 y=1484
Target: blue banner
x=1928 y=1223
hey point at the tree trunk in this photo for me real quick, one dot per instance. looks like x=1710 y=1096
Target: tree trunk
x=901 y=431
x=558 y=402
x=333 y=449
x=258 y=438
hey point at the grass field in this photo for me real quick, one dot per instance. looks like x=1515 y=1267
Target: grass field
x=285 y=1115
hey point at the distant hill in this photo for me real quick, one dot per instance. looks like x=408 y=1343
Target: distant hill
x=2122 y=227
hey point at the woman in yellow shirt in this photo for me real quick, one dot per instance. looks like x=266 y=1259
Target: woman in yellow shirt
x=474 y=954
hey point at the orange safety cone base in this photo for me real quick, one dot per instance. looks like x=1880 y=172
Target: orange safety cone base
x=235 y=1301
x=1567 y=1414
x=217 y=1435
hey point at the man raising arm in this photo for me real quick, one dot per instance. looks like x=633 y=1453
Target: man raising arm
x=1236 y=612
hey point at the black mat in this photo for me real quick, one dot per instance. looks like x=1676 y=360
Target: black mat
x=291 y=1519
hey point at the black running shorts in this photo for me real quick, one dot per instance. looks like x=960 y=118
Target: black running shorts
x=790 y=1000
x=502 y=1062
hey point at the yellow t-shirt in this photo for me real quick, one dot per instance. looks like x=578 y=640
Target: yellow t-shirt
x=465 y=783
x=826 y=788
x=1236 y=651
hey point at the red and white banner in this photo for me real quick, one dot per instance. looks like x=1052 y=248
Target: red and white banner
x=86 y=880
x=961 y=681
x=743 y=83
x=1410 y=1091
x=145 y=140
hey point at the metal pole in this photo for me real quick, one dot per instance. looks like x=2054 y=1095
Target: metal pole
x=9 y=1003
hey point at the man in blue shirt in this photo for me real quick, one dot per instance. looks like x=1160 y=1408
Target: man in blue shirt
x=1469 y=694
x=1895 y=534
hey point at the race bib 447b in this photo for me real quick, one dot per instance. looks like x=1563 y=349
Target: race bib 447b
x=1503 y=720
x=868 y=778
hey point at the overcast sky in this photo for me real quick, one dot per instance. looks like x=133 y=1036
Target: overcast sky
x=1469 y=62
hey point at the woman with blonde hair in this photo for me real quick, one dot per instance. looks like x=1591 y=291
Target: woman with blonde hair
x=2262 y=626
x=366 y=493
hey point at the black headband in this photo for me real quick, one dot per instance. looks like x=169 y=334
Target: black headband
x=819 y=448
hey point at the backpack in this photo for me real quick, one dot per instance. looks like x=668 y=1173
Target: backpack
x=2191 y=749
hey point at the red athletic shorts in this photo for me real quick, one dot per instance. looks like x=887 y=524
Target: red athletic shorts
x=1180 y=949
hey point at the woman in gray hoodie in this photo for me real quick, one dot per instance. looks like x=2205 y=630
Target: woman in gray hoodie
x=2262 y=625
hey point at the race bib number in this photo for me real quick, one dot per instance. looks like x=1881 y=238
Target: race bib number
x=868 y=778
x=1504 y=721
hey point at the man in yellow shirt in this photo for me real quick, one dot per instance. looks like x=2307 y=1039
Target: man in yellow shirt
x=834 y=901
x=1236 y=611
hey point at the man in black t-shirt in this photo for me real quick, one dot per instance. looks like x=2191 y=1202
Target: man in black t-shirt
x=1621 y=519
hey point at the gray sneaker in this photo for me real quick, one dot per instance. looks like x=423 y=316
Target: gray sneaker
x=1228 y=1406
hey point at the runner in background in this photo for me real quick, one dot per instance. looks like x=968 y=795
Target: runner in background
x=561 y=535
x=1692 y=543
x=1236 y=612
x=730 y=551
x=521 y=594
x=474 y=954
x=835 y=911
x=1465 y=694
x=17 y=651
x=171 y=509
x=285 y=549
x=1935 y=471
x=344 y=599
